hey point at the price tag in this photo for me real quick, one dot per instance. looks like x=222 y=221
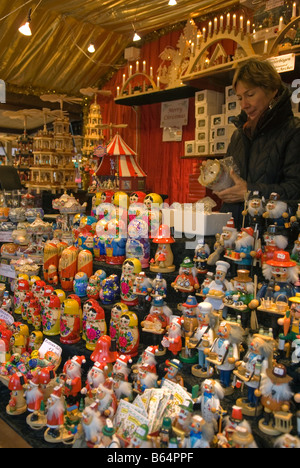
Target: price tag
x=49 y=346
x=5 y=236
x=7 y=270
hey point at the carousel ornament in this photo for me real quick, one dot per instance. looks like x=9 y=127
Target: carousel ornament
x=163 y=259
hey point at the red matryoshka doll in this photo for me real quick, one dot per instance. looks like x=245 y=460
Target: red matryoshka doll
x=70 y=322
x=68 y=267
x=50 y=259
x=48 y=290
x=21 y=288
x=85 y=262
x=18 y=343
x=120 y=200
x=25 y=305
x=130 y=269
x=128 y=338
x=136 y=205
x=105 y=352
x=93 y=287
x=87 y=305
x=5 y=354
x=51 y=315
x=38 y=289
x=117 y=310
x=95 y=326
x=35 y=314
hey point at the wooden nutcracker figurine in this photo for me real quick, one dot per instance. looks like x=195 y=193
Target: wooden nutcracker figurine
x=172 y=340
x=204 y=336
x=202 y=252
x=156 y=322
x=209 y=399
x=71 y=378
x=250 y=370
x=290 y=323
x=275 y=396
x=225 y=351
x=96 y=375
x=277 y=211
x=189 y=311
x=186 y=282
x=215 y=291
x=55 y=415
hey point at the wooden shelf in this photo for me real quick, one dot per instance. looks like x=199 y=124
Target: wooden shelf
x=152 y=97
x=203 y=156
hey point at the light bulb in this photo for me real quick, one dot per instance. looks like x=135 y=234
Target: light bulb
x=91 y=48
x=25 y=29
x=172 y=2
x=136 y=37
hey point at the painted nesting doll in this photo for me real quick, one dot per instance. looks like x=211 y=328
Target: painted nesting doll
x=138 y=242
x=80 y=284
x=95 y=326
x=70 y=322
x=128 y=338
x=130 y=269
x=50 y=259
x=68 y=267
x=51 y=315
x=85 y=262
x=117 y=310
x=110 y=289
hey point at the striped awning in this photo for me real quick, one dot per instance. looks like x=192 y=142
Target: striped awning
x=118 y=147
x=128 y=167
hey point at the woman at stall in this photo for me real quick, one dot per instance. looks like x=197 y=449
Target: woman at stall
x=266 y=144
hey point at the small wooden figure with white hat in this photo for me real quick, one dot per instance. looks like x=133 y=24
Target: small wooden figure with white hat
x=225 y=351
x=186 y=282
x=215 y=291
x=172 y=340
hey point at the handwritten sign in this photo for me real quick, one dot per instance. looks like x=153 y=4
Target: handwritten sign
x=174 y=113
x=283 y=63
x=48 y=345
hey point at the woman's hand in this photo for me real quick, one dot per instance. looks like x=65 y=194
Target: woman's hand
x=236 y=193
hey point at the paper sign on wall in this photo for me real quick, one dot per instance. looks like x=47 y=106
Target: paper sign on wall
x=174 y=113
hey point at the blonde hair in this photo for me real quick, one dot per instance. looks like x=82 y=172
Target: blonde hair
x=258 y=73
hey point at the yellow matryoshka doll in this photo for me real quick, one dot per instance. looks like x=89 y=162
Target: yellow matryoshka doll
x=130 y=269
x=128 y=337
x=70 y=322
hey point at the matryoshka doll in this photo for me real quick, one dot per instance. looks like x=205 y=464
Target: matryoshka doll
x=153 y=202
x=130 y=269
x=38 y=289
x=117 y=310
x=129 y=337
x=100 y=236
x=51 y=315
x=68 y=267
x=87 y=305
x=21 y=288
x=115 y=242
x=120 y=200
x=36 y=338
x=50 y=259
x=34 y=314
x=110 y=289
x=80 y=283
x=70 y=322
x=102 y=203
x=138 y=242
x=85 y=262
x=25 y=304
x=93 y=287
x=78 y=299
x=136 y=205
x=163 y=259
x=95 y=326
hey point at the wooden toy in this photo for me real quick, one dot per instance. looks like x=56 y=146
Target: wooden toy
x=95 y=326
x=130 y=269
x=70 y=322
x=163 y=259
